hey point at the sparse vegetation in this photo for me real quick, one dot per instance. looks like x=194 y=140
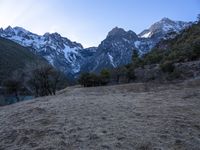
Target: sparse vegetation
x=91 y=79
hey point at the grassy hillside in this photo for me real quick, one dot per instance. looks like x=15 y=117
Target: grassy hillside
x=14 y=57
x=128 y=117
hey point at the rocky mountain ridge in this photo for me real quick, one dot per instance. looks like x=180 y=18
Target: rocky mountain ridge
x=116 y=50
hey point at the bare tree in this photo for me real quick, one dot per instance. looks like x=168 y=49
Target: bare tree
x=44 y=80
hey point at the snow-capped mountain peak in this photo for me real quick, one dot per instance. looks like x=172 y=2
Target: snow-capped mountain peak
x=146 y=34
x=15 y=31
x=160 y=29
x=19 y=29
x=116 y=50
x=59 y=51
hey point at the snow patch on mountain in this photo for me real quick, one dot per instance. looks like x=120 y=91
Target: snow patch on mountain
x=146 y=35
x=49 y=59
x=70 y=53
x=137 y=44
x=111 y=60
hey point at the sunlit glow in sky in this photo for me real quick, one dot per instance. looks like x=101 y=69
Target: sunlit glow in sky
x=89 y=21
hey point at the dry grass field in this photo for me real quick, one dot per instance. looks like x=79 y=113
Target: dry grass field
x=141 y=116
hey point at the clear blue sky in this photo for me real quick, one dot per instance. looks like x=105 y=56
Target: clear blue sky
x=89 y=21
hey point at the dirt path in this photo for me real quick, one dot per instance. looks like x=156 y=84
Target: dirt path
x=134 y=116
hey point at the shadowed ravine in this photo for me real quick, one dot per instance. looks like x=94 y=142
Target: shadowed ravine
x=131 y=116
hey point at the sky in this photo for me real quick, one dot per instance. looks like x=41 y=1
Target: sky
x=89 y=21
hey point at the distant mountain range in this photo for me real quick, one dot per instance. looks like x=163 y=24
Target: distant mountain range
x=116 y=50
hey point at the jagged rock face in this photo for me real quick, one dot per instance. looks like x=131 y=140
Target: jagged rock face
x=116 y=50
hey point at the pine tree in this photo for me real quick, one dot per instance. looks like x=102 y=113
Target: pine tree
x=198 y=18
x=136 y=60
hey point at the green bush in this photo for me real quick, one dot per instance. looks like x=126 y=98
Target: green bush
x=167 y=67
x=104 y=77
x=152 y=58
x=131 y=73
x=91 y=79
x=174 y=75
x=136 y=59
x=196 y=49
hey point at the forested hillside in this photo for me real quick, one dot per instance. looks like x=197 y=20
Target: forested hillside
x=15 y=57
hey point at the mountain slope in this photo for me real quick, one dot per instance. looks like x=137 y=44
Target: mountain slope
x=14 y=57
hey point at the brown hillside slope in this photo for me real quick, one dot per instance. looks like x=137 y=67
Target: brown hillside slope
x=131 y=116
